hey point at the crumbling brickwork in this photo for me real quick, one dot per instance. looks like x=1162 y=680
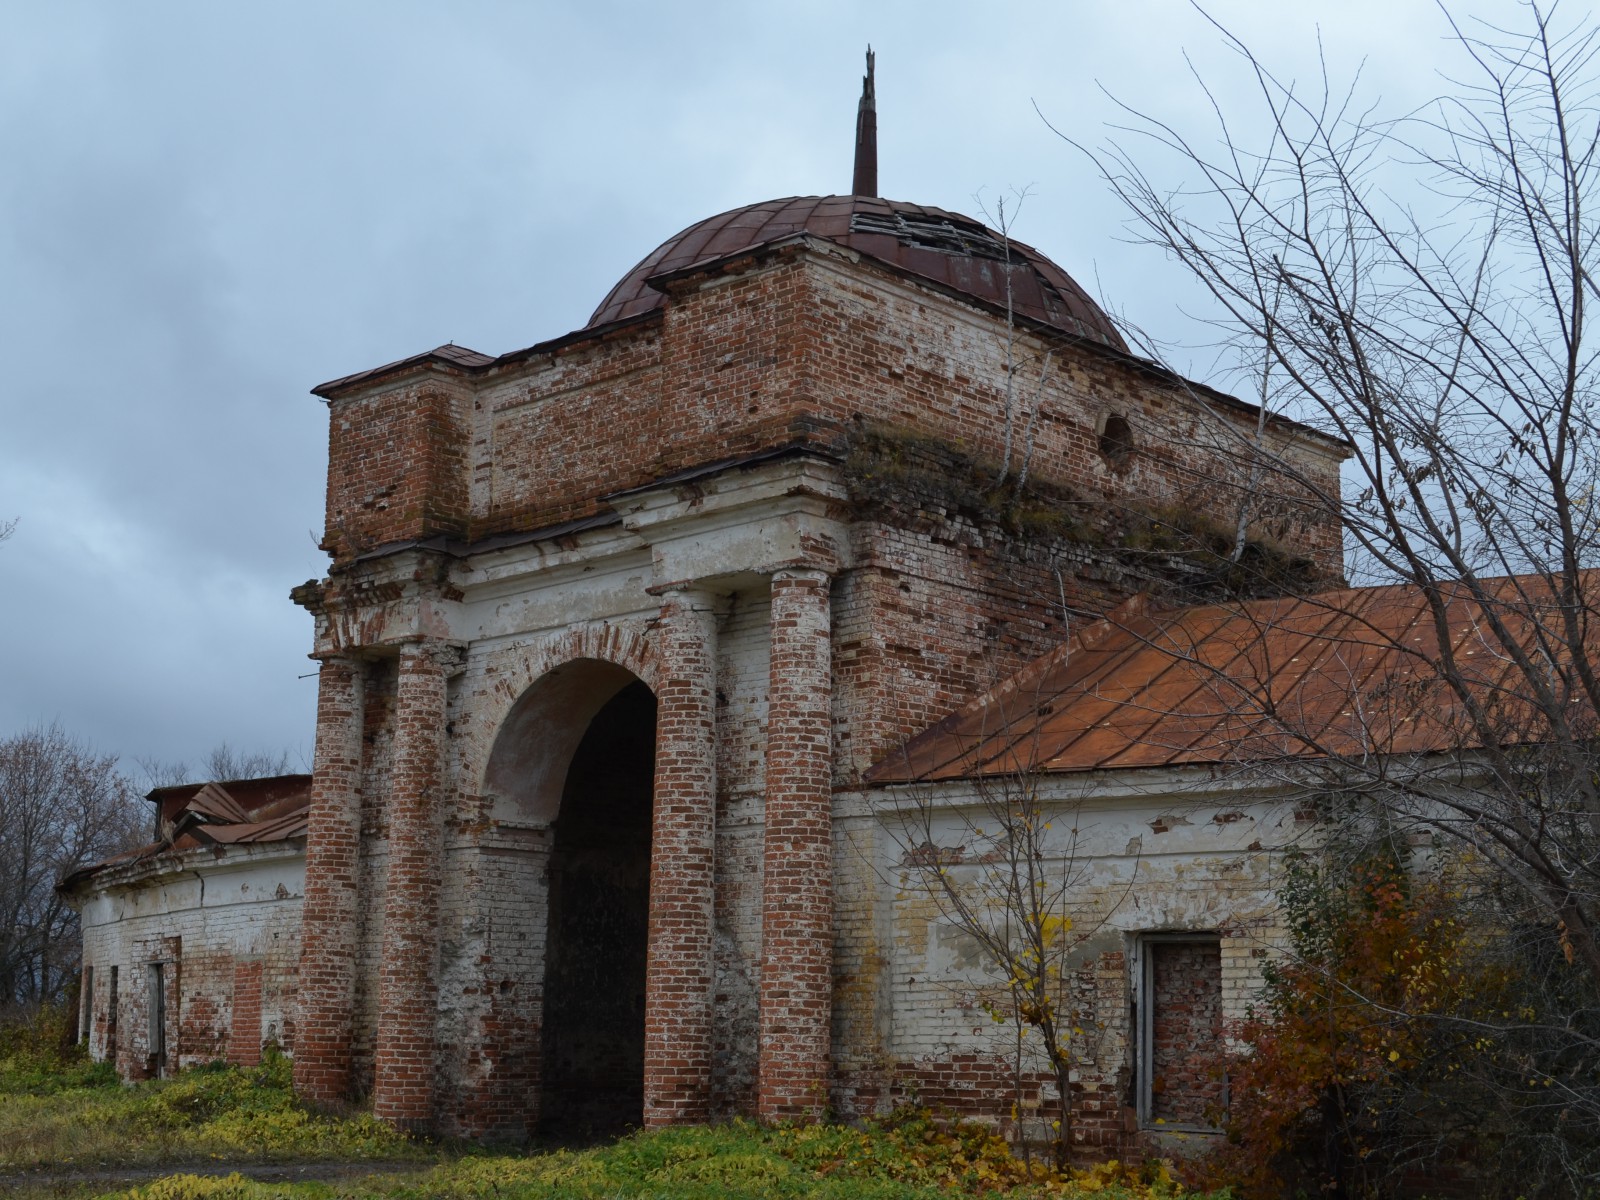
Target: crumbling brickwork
x=803 y=504
x=797 y=867
x=1187 y=1087
x=405 y=1069
x=397 y=467
x=244 y=1025
x=678 y=1029
x=1155 y=870
x=228 y=944
x=768 y=530
x=333 y=898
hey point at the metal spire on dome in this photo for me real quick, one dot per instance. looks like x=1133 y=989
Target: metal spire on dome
x=866 y=177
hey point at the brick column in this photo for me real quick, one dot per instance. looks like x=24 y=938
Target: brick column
x=326 y=987
x=407 y=986
x=797 y=870
x=678 y=981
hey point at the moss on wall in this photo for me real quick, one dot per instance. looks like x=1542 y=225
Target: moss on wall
x=897 y=472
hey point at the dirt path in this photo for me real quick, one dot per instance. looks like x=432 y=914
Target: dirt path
x=262 y=1172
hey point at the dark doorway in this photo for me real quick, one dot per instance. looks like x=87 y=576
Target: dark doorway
x=592 y=1077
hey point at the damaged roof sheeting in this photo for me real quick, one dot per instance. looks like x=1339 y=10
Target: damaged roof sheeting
x=941 y=246
x=1338 y=673
x=237 y=811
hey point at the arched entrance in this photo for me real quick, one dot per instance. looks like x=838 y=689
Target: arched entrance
x=592 y=1052
x=572 y=773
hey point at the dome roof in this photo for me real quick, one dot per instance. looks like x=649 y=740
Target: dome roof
x=941 y=246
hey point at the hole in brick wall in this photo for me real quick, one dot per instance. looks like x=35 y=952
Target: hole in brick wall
x=1116 y=441
x=592 y=1076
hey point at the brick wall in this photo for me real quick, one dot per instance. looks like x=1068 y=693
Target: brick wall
x=910 y=987
x=1187 y=1086
x=244 y=1026
x=230 y=951
x=803 y=348
x=535 y=457
x=398 y=465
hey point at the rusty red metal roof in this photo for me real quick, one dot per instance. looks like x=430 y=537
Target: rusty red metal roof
x=1339 y=673
x=240 y=799
x=236 y=811
x=276 y=829
x=214 y=801
x=945 y=247
x=447 y=355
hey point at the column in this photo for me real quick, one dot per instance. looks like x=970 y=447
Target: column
x=407 y=987
x=679 y=975
x=797 y=871
x=326 y=987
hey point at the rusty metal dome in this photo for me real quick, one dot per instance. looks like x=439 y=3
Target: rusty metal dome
x=944 y=247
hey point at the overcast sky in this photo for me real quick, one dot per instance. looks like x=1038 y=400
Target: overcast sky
x=208 y=208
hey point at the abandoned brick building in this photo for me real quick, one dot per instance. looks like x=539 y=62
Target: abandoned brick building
x=622 y=637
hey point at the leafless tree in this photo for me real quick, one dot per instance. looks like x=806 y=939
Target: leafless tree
x=1419 y=287
x=225 y=762
x=62 y=806
x=1449 y=350
x=221 y=764
x=1003 y=219
x=1002 y=865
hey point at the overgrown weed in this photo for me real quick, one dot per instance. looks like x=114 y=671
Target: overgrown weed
x=61 y=1114
x=911 y=1156
x=219 y=1113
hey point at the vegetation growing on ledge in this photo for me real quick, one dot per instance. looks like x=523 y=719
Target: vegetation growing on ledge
x=899 y=471
x=1202 y=542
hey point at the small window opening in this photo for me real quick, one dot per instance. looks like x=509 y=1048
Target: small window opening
x=86 y=1005
x=1178 y=1018
x=158 y=1021
x=1116 y=440
x=111 y=1018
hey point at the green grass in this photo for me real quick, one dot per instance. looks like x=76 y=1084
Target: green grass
x=67 y=1126
x=716 y=1163
x=79 y=1116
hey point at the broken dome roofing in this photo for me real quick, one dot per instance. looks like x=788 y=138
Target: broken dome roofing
x=944 y=247
x=1347 y=672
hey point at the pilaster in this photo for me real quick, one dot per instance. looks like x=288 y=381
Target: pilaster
x=407 y=981
x=797 y=873
x=678 y=1033
x=326 y=985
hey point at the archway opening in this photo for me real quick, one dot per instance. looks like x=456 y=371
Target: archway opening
x=592 y=1053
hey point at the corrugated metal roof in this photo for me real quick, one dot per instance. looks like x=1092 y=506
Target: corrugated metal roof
x=1339 y=673
x=290 y=825
x=214 y=801
x=275 y=809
